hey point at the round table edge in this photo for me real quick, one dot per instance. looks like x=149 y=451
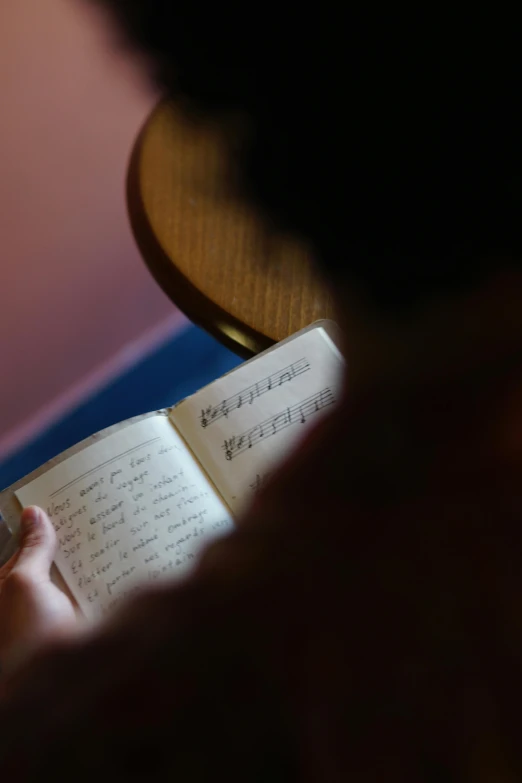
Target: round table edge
x=230 y=331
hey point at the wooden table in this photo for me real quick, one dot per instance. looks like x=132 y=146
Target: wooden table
x=209 y=253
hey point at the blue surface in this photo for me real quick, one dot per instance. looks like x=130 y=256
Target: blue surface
x=179 y=368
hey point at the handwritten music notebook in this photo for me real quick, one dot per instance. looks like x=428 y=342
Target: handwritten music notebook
x=137 y=502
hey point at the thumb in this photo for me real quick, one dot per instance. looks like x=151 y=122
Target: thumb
x=37 y=544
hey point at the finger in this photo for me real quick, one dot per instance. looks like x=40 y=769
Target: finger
x=37 y=544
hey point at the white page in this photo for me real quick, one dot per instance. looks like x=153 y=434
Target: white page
x=128 y=510
x=242 y=425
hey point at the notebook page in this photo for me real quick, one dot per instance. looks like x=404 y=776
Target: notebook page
x=241 y=426
x=128 y=510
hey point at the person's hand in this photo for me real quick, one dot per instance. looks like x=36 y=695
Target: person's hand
x=33 y=610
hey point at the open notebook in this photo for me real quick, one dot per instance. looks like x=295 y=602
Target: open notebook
x=136 y=503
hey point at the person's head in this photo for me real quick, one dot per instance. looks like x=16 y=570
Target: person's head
x=392 y=144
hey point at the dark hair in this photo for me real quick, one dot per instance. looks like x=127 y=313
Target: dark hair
x=393 y=147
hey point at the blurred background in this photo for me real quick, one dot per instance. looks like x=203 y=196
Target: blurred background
x=87 y=337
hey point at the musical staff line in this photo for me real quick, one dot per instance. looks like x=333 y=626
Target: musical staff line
x=296 y=414
x=247 y=396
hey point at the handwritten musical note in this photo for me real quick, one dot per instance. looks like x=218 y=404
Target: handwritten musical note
x=260 y=481
x=296 y=414
x=211 y=413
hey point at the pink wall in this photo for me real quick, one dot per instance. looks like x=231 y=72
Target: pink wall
x=76 y=300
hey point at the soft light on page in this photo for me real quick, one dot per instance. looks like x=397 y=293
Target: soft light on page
x=241 y=426
x=128 y=510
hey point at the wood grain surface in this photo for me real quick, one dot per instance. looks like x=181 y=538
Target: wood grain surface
x=210 y=254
